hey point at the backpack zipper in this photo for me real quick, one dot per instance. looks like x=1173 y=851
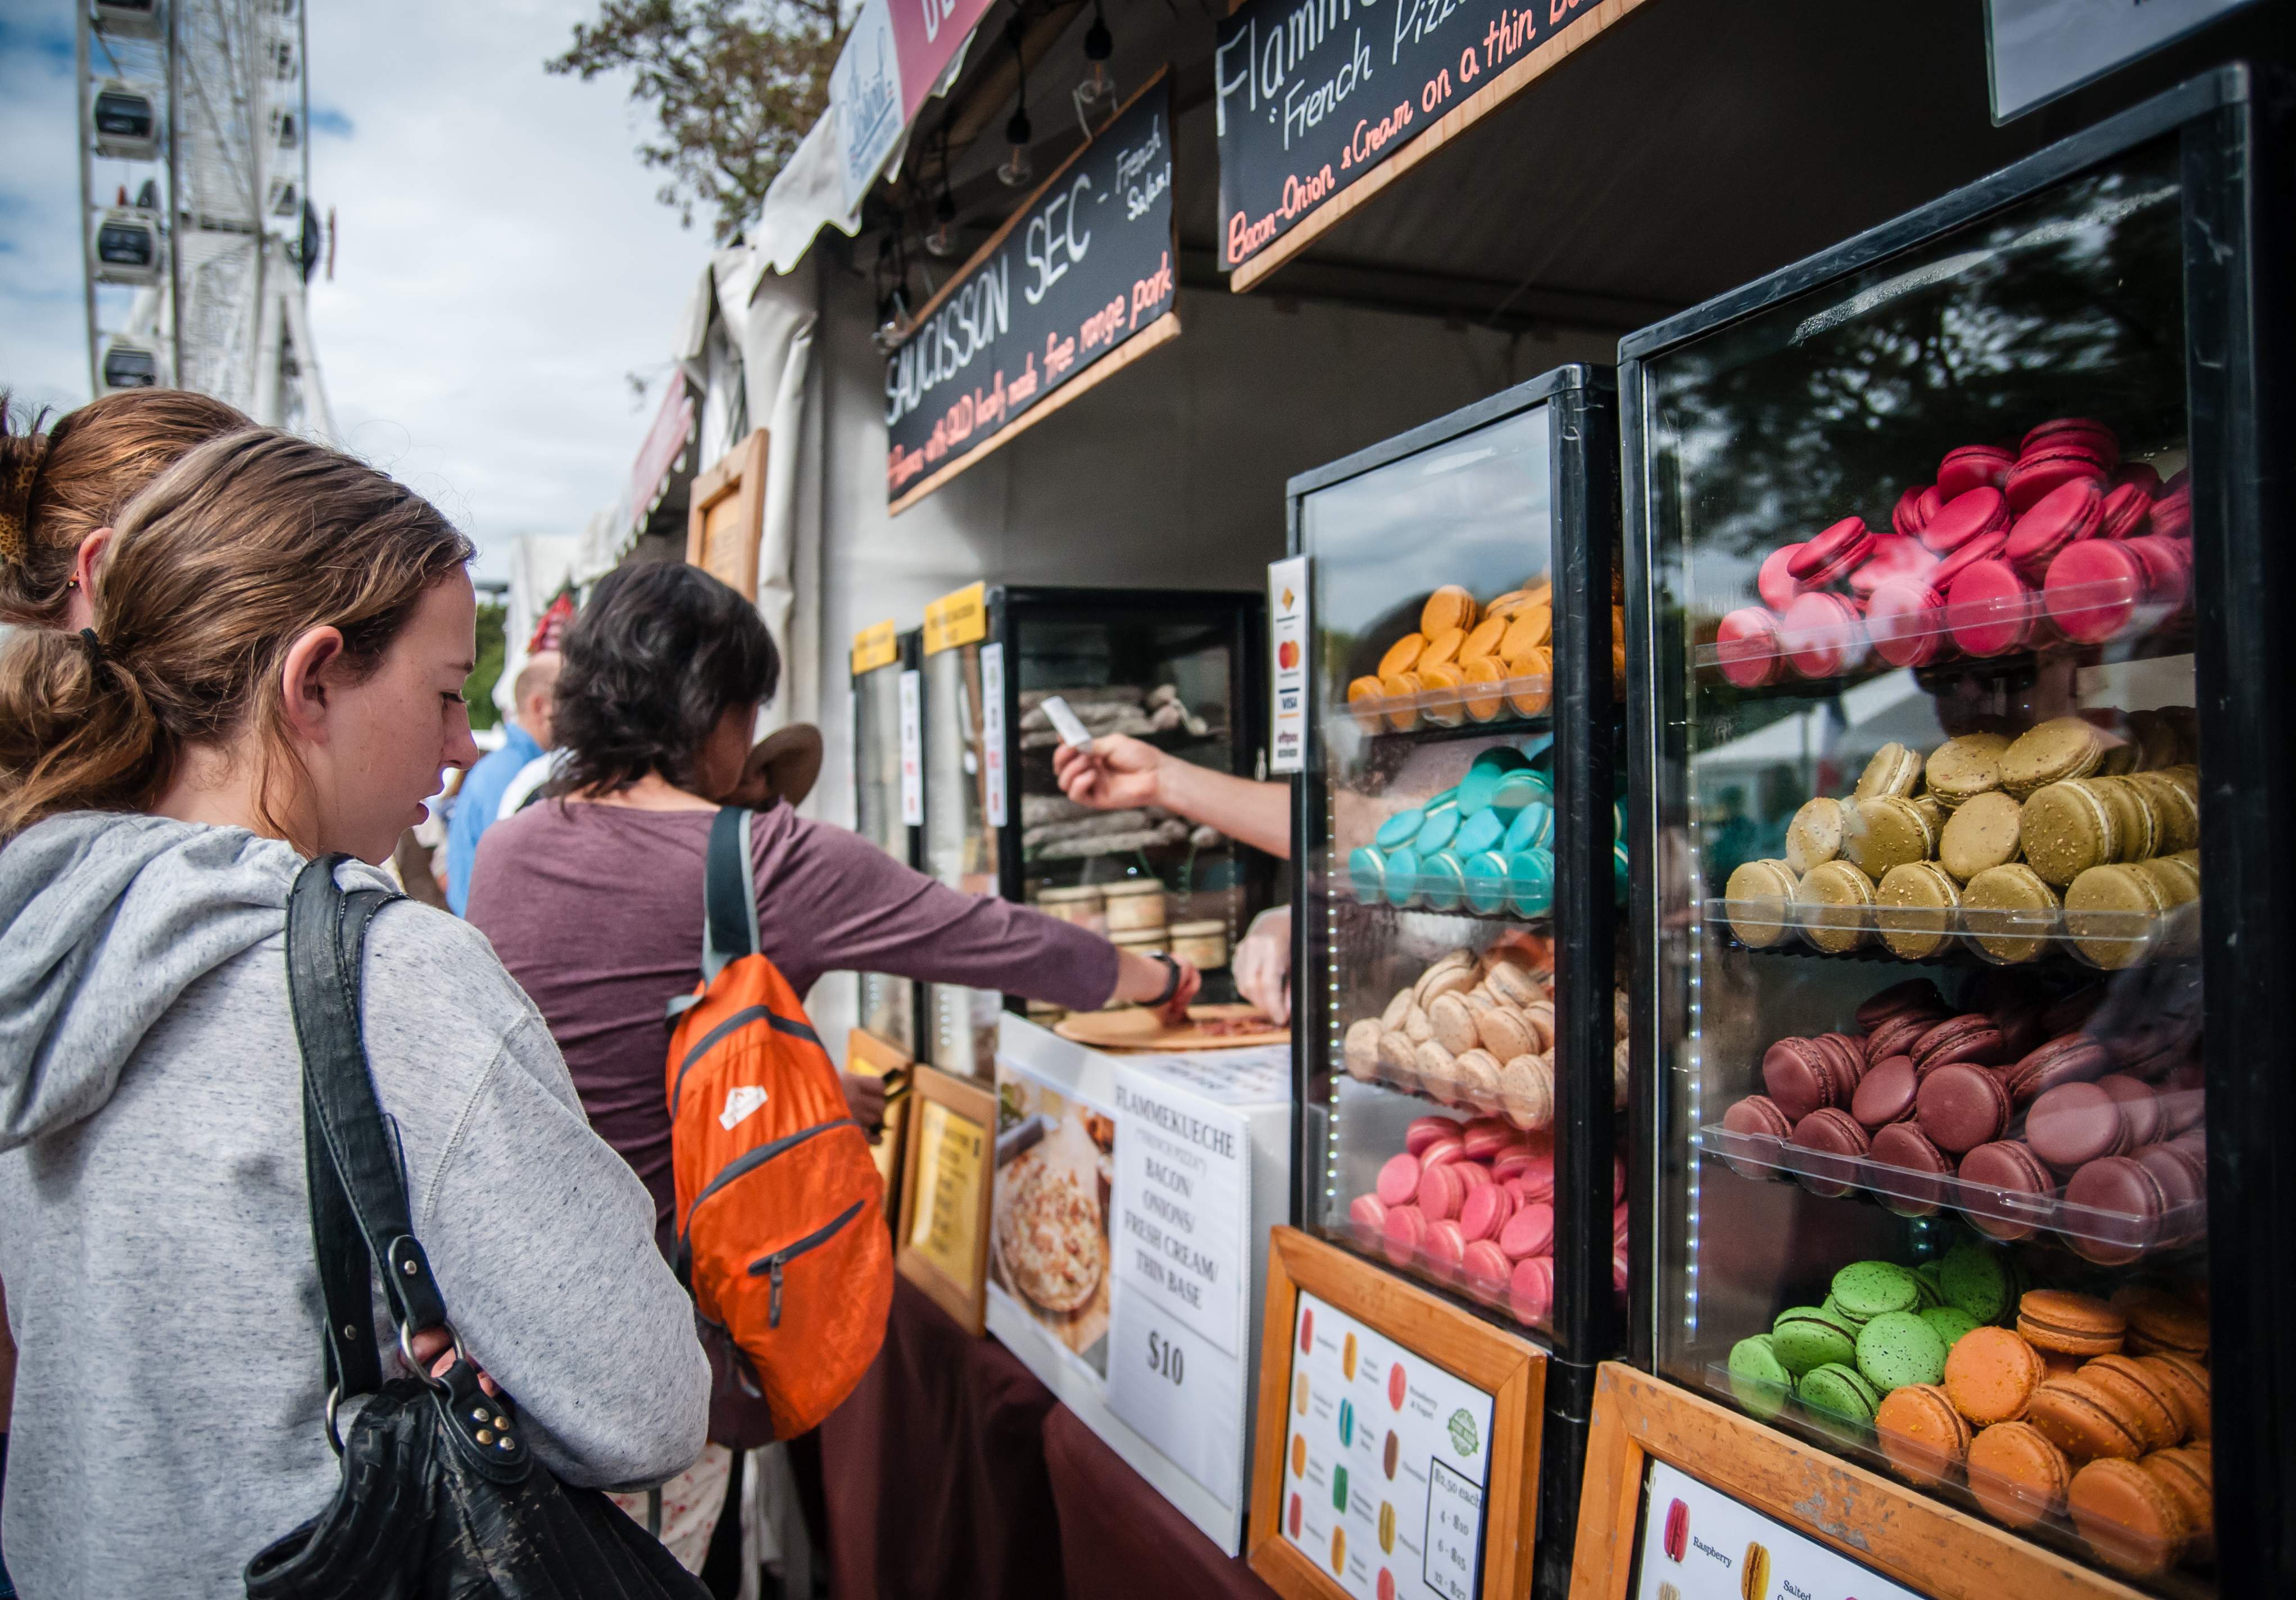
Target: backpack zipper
x=771 y=1265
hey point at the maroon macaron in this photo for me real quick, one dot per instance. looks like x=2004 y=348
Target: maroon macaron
x=2043 y=471
x=1756 y=1116
x=1885 y=1095
x=2074 y=433
x=2140 y=1108
x=1983 y=510
x=1992 y=1177
x=1801 y=1077
x=2184 y=1180
x=1913 y=996
x=1847 y=1054
x=2071 y=1010
x=2065 y=516
x=1831 y=553
x=1828 y=1133
x=1973 y=467
x=1897 y=1036
x=2068 y=1059
x=2126 y=1187
x=1990 y=608
x=1972 y=1037
x=1922 y=1169
x=2075 y=1123
x=2126 y=509
x=1961 y=1107
x=2092 y=590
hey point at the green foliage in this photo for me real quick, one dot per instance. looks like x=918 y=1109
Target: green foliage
x=479 y=688
x=735 y=85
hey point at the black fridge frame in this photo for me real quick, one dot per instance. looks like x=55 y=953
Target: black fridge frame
x=2234 y=126
x=909 y=657
x=1582 y=423
x=1245 y=624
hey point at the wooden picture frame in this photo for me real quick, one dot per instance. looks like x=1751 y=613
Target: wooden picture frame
x=940 y=1104
x=1512 y=1371
x=1903 y=1534
x=726 y=517
x=866 y=1053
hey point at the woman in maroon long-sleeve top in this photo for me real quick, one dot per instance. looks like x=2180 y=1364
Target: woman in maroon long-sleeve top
x=593 y=898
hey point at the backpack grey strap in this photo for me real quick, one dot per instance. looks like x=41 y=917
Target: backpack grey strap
x=729 y=902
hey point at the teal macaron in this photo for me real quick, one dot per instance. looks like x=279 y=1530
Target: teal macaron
x=1622 y=872
x=1479 y=832
x=1442 y=822
x=1479 y=788
x=1401 y=884
x=1517 y=789
x=1533 y=826
x=1485 y=877
x=1980 y=1280
x=1840 y=1392
x=1759 y=1380
x=1531 y=883
x=1366 y=873
x=1865 y=1290
x=1897 y=1349
x=1948 y=1322
x=1809 y=1336
x=1441 y=881
x=1399 y=829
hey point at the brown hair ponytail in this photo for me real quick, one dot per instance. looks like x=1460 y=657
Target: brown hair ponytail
x=241 y=548
x=57 y=487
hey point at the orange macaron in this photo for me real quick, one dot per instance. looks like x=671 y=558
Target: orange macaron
x=2128 y=1516
x=2017 y=1474
x=2145 y=1398
x=2076 y=1324
x=1990 y=1373
x=1923 y=1434
x=2085 y=1420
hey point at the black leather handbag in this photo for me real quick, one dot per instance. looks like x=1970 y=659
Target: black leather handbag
x=441 y=1499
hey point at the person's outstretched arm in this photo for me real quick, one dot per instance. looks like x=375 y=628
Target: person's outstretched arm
x=1120 y=772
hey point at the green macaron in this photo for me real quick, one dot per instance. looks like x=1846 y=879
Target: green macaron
x=1809 y=1336
x=1864 y=1289
x=1948 y=1322
x=1757 y=1378
x=1978 y=1279
x=1840 y=1392
x=1896 y=1349
x=1925 y=1274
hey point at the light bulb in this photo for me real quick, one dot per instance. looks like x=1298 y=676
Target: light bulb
x=1017 y=170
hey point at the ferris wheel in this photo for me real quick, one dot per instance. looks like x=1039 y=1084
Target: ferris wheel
x=199 y=235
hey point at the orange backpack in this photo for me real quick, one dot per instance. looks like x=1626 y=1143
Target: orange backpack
x=781 y=1228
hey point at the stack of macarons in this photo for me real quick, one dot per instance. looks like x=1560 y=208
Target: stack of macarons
x=2045 y=1401
x=2072 y=830
x=2055 y=539
x=1473 y=1203
x=2022 y=1117
x=1485 y=846
x=1467 y=661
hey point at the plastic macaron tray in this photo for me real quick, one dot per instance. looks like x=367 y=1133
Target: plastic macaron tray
x=1484 y=847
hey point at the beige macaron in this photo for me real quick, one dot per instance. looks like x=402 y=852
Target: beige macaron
x=1622 y=1061
x=1895 y=770
x=2113 y=913
x=2050 y=751
x=1514 y=984
x=1438 y=1069
x=1453 y=1022
x=2176 y=812
x=1399 y=1058
x=1506 y=1033
x=1527 y=1091
x=1966 y=766
x=1887 y=831
x=1984 y=830
x=1399 y=1011
x=1418 y=1026
x=1815 y=836
x=2137 y=830
x=1761 y=898
x=1834 y=902
x=1914 y=908
x=1361 y=1052
x=2068 y=829
x=1540 y=1017
x=2010 y=911
x=1445 y=980
x=1476 y=1074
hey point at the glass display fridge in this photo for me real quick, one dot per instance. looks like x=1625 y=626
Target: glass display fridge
x=1960 y=935
x=1461 y=869
x=888 y=798
x=1178 y=668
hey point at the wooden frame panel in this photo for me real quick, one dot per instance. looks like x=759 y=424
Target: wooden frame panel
x=966 y=1300
x=1905 y=1535
x=864 y=1052
x=1512 y=1371
x=726 y=519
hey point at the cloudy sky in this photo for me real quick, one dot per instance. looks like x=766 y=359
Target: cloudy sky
x=500 y=261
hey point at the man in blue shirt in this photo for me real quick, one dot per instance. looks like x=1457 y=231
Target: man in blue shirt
x=525 y=736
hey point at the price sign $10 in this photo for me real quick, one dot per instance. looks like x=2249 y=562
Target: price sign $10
x=1165 y=1359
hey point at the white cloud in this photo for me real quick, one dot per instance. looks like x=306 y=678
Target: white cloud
x=501 y=260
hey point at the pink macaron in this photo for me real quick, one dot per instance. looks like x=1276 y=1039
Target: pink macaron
x=1966 y=516
x=1485 y=1211
x=1530 y=1289
x=1822 y=635
x=2041 y=472
x=1399 y=1180
x=1990 y=610
x=1746 y=646
x=1531 y=1231
x=1440 y=1191
x=1904 y=621
x=2083 y=434
x=1973 y=467
x=2167 y=566
x=2063 y=517
x=1618 y=1179
x=1833 y=554
x=2141 y=475
x=1367 y=1215
x=1893 y=556
x=2172 y=516
x=1424 y=1130
x=1448 y=1149
x=1487 y=1136
x=2126 y=510
x=1474 y=1175
x=2093 y=590
x=1618 y=1222
x=1774 y=582
x=1913 y=509
x=1537 y=1179
x=1444 y=1246
x=1510 y=1163
x=1403 y=1229
x=1486 y=1268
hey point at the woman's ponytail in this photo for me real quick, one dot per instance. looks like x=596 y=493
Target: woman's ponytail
x=77 y=731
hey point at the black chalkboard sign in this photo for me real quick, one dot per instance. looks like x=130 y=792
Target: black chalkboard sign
x=1312 y=96
x=1083 y=271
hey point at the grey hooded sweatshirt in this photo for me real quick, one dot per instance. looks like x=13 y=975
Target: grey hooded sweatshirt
x=154 y=1228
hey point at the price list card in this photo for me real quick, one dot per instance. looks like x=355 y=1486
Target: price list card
x=1699 y=1544
x=1386 y=1459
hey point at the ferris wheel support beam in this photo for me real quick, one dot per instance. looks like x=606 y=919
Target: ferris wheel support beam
x=270 y=335
x=87 y=181
x=174 y=329
x=321 y=416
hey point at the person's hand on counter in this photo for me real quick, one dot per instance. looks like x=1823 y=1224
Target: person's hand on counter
x=1263 y=964
x=1141 y=980
x=865 y=1098
x=1120 y=772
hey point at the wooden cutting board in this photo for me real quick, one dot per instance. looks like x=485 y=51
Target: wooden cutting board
x=1139 y=1028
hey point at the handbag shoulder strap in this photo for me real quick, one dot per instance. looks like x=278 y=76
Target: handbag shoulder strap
x=729 y=894
x=359 y=1210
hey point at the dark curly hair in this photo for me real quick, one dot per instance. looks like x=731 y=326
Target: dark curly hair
x=661 y=653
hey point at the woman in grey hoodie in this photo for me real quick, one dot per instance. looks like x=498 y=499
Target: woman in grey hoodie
x=274 y=671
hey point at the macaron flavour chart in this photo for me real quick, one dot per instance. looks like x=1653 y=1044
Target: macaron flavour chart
x=1701 y=1544
x=1385 y=1461
x=1921 y=693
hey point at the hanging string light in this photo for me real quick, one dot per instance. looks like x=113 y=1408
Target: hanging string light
x=942 y=242
x=1100 y=88
x=1018 y=170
